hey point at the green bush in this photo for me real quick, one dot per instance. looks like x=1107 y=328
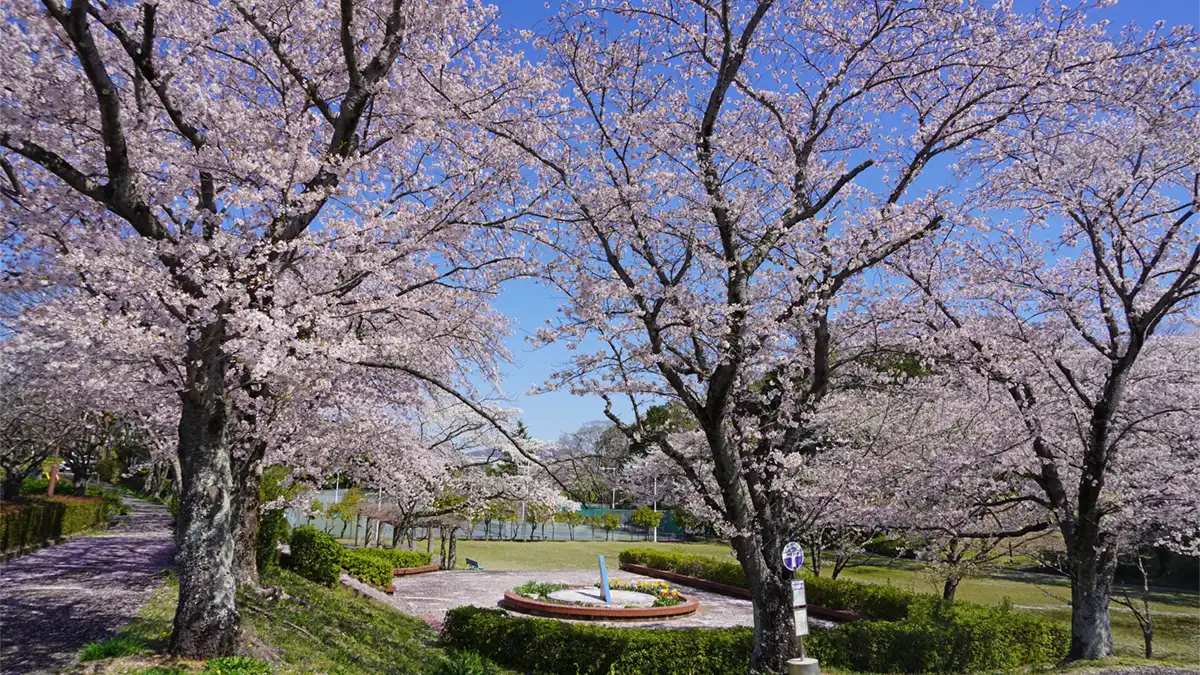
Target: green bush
x=39 y=485
x=316 y=556
x=398 y=559
x=880 y=602
x=44 y=518
x=943 y=639
x=372 y=569
x=113 y=503
x=556 y=648
x=272 y=529
x=886 y=603
x=915 y=632
x=727 y=572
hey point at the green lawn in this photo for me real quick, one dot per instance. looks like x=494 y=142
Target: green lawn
x=549 y=555
x=1176 y=614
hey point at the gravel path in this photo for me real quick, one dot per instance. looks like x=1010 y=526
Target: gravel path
x=55 y=601
x=430 y=595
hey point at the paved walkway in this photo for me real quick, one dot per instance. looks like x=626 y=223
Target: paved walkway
x=55 y=601
x=430 y=595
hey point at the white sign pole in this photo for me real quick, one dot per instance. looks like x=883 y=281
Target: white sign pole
x=793 y=559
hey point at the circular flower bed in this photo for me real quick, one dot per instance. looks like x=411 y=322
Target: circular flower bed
x=636 y=600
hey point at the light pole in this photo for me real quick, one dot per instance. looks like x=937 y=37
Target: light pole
x=655 y=507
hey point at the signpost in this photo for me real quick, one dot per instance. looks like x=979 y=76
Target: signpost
x=793 y=556
x=604 y=582
x=793 y=559
x=800 y=610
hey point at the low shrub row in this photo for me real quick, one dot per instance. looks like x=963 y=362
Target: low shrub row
x=373 y=569
x=318 y=557
x=950 y=640
x=44 y=518
x=915 y=632
x=939 y=638
x=704 y=567
x=556 y=648
x=887 y=603
x=40 y=485
x=398 y=559
x=881 y=602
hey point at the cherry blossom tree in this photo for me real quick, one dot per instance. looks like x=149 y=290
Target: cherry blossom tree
x=1081 y=318
x=237 y=194
x=722 y=178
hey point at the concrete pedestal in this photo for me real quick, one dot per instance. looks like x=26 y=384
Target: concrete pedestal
x=803 y=667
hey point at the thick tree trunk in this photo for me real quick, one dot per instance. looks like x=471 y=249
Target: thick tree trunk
x=245 y=545
x=950 y=587
x=1091 y=591
x=1091 y=633
x=206 y=618
x=771 y=592
x=246 y=513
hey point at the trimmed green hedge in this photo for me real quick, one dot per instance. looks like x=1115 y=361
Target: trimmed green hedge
x=45 y=518
x=372 y=569
x=881 y=602
x=316 y=556
x=396 y=558
x=950 y=640
x=40 y=485
x=550 y=647
x=916 y=632
x=886 y=603
x=702 y=566
x=940 y=638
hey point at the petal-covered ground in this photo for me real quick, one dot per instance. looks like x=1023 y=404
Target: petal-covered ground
x=55 y=601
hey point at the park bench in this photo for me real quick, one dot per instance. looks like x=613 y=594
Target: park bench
x=472 y=565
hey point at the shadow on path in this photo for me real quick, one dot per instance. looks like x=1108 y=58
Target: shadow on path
x=57 y=600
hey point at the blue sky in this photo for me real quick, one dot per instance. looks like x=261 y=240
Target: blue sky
x=550 y=415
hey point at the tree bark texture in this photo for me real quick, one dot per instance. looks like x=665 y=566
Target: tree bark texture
x=771 y=592
x=247 y=508
x=950 y=587
x=206 y=618
x=1091 y=591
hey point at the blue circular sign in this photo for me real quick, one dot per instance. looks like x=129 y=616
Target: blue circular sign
x=793 y=556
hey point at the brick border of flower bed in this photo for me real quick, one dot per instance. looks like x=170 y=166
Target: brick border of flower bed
x=405 y=571
x=593 y=613
x=738 y=592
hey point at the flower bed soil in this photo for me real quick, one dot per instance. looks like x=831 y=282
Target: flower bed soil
x=840 y=615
